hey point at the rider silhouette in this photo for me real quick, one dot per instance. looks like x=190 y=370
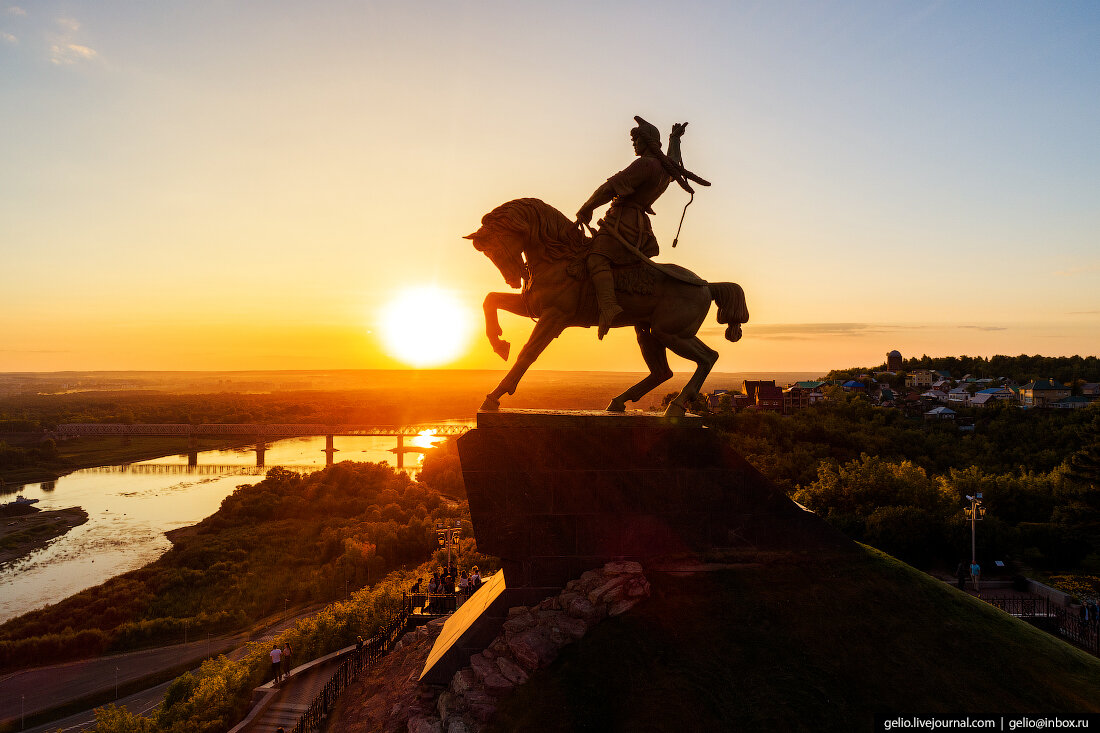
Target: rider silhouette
x=632 y=193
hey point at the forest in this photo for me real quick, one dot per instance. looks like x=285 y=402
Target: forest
x=900 y=484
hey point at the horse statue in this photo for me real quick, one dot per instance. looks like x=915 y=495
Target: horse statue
x=540 y=251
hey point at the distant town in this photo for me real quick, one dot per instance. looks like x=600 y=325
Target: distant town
x=928 y=392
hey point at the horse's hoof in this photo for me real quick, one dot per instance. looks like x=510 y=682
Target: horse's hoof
x=491 y=403
x=617 y=406
x=675 y=410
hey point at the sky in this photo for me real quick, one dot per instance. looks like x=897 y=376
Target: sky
x=251 y=185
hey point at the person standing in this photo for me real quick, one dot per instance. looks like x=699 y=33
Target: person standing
x=286 y=660
x=960 y=575
x=276 y=655
x=976 y=576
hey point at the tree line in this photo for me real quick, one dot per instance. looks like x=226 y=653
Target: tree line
x=900 y=484
x=1020 y=369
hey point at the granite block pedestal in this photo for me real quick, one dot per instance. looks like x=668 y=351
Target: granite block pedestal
x=553 y=494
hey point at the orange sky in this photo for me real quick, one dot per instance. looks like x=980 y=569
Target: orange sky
x=221 y=186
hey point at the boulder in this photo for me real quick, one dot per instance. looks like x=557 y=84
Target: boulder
x=482 y=666
x=422 y=724
x=609 y=591
x=533 y=649
x=463 y=681
x=511 y=670
x=497 y=684
x=619 y=567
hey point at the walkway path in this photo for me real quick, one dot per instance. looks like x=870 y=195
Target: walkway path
x=294 y=698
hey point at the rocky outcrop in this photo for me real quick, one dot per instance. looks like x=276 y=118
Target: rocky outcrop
x=530 y=639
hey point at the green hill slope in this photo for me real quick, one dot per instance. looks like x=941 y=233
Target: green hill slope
x=817 y=642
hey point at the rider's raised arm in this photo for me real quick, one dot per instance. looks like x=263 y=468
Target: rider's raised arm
x=674 y=141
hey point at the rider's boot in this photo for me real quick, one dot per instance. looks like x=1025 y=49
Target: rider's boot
x=599 y=269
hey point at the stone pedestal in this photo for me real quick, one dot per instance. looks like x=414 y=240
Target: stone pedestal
x=554 y=494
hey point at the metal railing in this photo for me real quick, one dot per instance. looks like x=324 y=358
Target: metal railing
x=1062 y=621
x=354 y=664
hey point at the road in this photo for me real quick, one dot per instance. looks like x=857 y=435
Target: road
x=43 y=688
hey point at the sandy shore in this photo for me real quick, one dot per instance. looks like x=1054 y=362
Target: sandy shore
x=24 y=534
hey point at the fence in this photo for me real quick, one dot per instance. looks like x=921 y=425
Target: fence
x=1059 y=620
x=355 y=664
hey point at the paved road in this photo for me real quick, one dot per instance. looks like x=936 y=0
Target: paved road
x=43 y=688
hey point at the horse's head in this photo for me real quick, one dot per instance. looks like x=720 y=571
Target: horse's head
x=504 y=249
x=523 y=235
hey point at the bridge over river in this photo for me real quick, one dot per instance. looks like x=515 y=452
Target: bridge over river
x=262 y=433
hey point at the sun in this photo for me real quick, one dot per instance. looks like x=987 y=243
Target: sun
x=426 y=326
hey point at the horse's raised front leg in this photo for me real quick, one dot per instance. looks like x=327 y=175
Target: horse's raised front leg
x=511 y=302
x=656 y=358
x=546 y=330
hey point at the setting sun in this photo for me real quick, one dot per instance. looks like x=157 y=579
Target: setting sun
x=425 y=327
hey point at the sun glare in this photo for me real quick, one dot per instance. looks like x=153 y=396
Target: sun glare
x=425 y=327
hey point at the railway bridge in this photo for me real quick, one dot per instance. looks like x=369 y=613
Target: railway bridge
x=262 y=433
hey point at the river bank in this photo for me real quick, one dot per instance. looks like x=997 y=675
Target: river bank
x=90 y=452
x=22 y=535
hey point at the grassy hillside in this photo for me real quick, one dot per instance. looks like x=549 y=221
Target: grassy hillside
x=817 y=642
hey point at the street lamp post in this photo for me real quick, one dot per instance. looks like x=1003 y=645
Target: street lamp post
x=975 y=513
x=116 y=683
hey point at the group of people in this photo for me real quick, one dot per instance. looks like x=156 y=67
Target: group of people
x=973 y=572
x=280 y=661
x=446 y=583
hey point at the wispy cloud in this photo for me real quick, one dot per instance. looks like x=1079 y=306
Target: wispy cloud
x=1084 y=313
x=986 y=328
x=8 y=38
x=806 y=331
x=70 y=53
x=64 y=51
x=16 y=10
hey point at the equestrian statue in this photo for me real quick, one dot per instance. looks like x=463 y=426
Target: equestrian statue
x=608 y=280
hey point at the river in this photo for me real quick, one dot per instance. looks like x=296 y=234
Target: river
x=130 y=507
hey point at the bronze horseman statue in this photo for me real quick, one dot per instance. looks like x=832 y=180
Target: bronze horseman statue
x=551 y=260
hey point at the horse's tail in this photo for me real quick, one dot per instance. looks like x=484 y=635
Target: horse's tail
x=732 y=308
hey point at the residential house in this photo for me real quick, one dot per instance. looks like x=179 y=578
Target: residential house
x=940 y=413
x=918 y=378
x=1043 y=393
x=959 y=395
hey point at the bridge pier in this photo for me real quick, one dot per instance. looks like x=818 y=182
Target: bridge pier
x=261 y=448
x=400 y=452
x=329 y=450
x=192 y=450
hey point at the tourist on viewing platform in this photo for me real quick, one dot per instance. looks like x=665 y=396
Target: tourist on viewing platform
x=976 y=575
x=358 y=644
x=463 y=587
x=475 y=579
x=449 y=584
x=276 y=655
x=960 y=575
x=434 y=589
x=286 y=659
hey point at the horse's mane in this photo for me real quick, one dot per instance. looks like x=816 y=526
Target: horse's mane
x=539 y=222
